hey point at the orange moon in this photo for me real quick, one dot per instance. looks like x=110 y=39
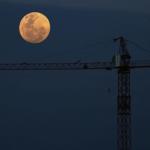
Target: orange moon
x=34 y=27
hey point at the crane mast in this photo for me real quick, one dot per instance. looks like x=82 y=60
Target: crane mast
x=124 y=98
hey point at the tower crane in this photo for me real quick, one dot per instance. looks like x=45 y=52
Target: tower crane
x=122 y=64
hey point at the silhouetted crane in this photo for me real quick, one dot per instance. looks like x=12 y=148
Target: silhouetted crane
x=122 y=63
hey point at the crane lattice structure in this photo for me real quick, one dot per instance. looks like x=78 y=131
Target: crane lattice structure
x=123 y=64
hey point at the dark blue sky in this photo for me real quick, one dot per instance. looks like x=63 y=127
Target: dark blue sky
x=60 y=110
x=128 y=5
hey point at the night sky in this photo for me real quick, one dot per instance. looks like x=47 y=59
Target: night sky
x=72 y=110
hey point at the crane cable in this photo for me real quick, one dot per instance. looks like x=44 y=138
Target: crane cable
x=138 y=46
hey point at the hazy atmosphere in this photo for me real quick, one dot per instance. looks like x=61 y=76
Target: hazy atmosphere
x=72 y=110
x=128 y=5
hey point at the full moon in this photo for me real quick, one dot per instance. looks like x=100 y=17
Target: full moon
x=34 y=27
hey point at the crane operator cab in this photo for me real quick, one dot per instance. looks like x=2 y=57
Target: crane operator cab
x=116 y=60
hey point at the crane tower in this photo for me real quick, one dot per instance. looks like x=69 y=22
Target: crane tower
x=124 y=98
